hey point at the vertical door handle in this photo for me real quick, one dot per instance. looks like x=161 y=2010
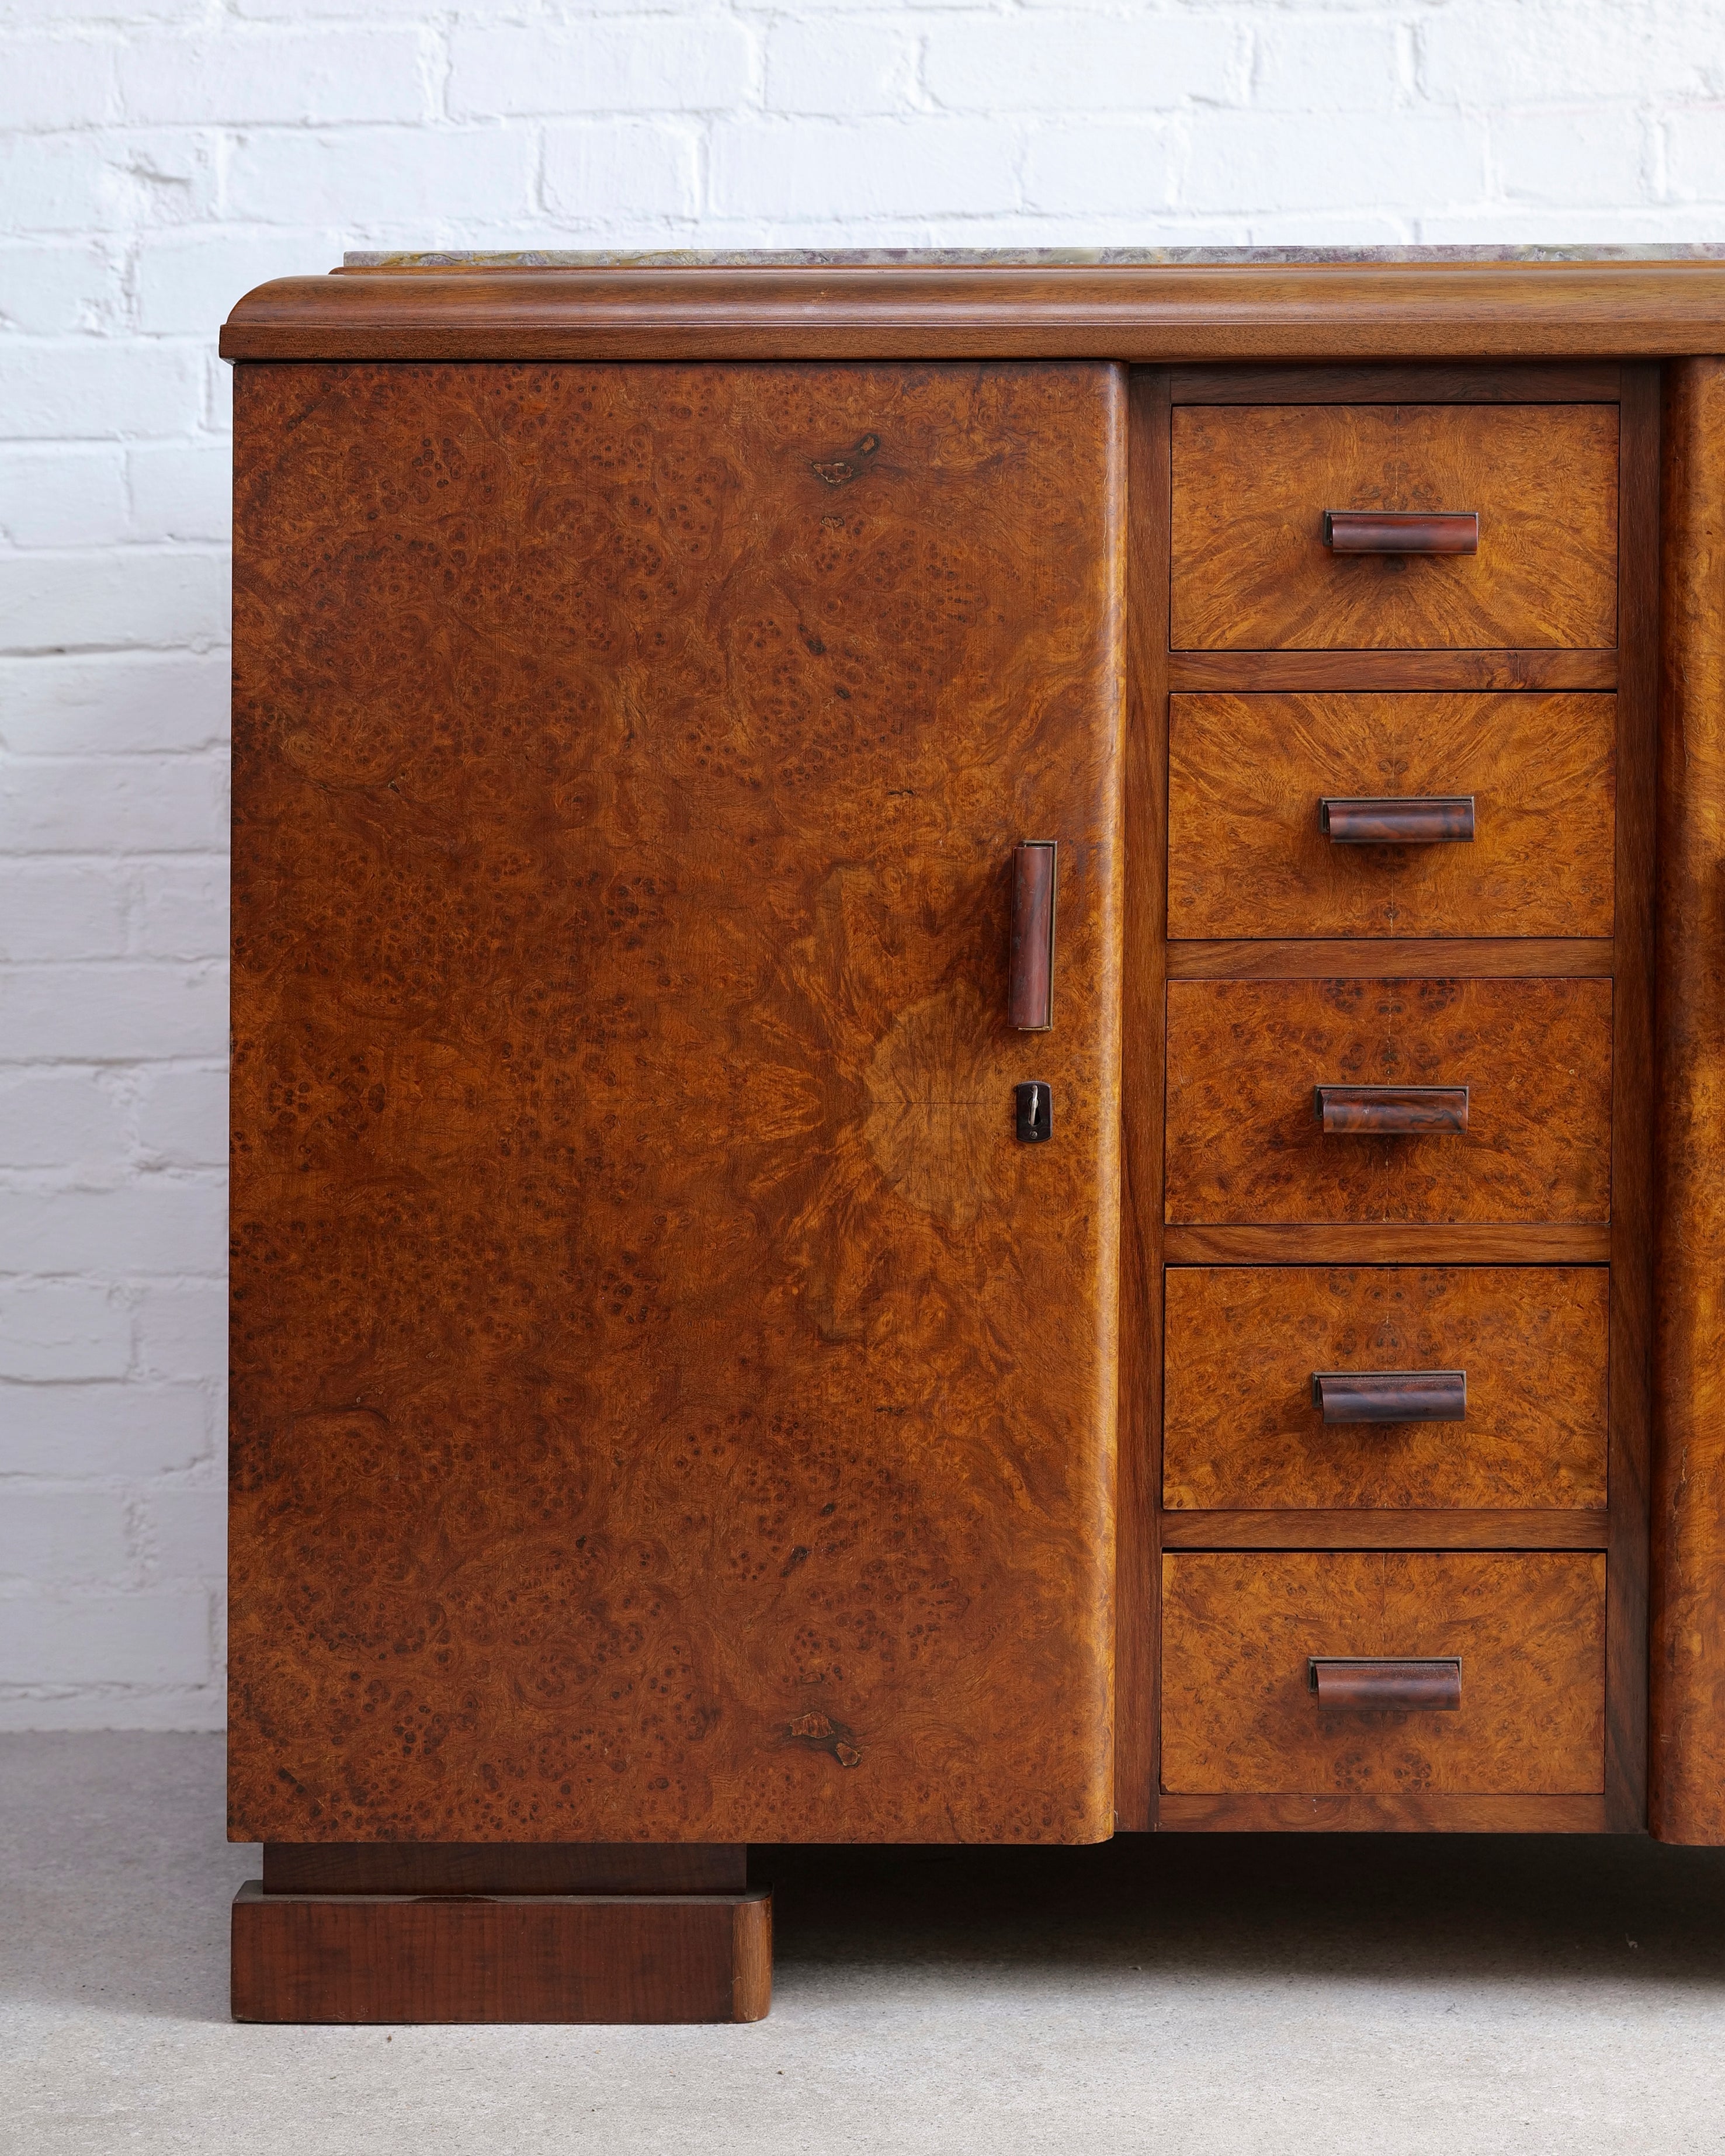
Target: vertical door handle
x=1031 y=999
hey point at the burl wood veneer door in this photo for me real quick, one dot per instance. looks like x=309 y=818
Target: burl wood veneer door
x=669 y=1403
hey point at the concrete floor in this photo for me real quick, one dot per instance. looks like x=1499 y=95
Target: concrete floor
x=1232 y=1995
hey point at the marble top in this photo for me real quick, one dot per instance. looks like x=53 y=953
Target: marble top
x=1015 y=258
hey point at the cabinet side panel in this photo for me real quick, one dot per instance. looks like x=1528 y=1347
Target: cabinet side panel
x=669 y=1402
x=1687 y=1797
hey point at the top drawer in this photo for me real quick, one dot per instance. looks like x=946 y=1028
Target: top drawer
x=1252 y=570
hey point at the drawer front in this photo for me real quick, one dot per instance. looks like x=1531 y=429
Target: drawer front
x=1245 y=1144
x=1239 y=1630
x=1248 y=855
x=1251 y=570
x=1242 y=1431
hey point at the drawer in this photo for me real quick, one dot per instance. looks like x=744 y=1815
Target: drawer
x=1251 y=570
x=1242 y=1431
x=1248 y=855
x=1239 y=1632
x=1245 y=1144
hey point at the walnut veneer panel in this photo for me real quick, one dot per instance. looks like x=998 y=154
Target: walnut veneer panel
x=1316 y=672
x=1246 y=857
x=1241 y=1431
x=1244 y=1144
x=1251 y=483
x=1238 y=1713
x=669 y=1404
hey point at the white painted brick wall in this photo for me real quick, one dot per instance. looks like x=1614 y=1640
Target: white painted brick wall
x=159 y=157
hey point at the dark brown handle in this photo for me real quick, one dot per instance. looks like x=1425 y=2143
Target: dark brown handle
x=1343 y=1683
x=1401 y=531
x=1397 y=1111
x=1030 y=1001
x=1430 y=820
x=1390 y=1395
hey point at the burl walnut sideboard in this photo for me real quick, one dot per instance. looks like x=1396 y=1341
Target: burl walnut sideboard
x=978 y=1081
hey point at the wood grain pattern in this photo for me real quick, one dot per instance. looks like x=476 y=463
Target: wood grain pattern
x=1364 y=1529
x=1238 y=1629
x=1358 y=671
x=1687 y=1794
x=1527 y=381
x=501 y=1868
x=669 y=1404
x=1304 y=1243
x=362 y=1959
x=1376 y=1814
x=1240 y=1430
x=1138 y=1588
x=1244 y=1057
x=1248 y=856
x=1165 y=312
x=1251 y=483
x=1405 y=958
x=1635 y=1109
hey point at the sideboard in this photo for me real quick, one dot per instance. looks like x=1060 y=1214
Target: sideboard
x=977 y=1086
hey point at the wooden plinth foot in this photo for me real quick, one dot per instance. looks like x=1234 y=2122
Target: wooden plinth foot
x=593 y=1958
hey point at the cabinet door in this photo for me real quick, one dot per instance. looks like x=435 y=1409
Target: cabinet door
x=669 y=1401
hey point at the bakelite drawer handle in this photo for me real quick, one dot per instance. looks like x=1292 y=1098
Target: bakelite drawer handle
x=1391 y=1111
x=1343 y=1683
x=1401 y=531
x=1430 y=820
x=1390 y=1395
x=1031 y=996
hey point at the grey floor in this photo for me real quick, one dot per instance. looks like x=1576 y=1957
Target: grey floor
x=1228 y=1995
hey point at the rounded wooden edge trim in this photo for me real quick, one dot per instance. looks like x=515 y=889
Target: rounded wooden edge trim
x=1172 y=312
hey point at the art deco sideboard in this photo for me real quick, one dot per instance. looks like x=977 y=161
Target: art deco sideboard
x=977 y=1086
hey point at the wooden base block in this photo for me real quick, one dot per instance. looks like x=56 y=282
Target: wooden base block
x=592 y=1957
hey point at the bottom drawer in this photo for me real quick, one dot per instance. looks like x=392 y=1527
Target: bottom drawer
x=1240 y=1631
